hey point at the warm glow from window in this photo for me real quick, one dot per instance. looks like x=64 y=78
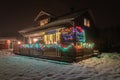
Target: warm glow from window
x=19 y=42
x=52 y=38
x=58 y=36
x=86 y=22
x=8 y=41
x=35 y=40
x=43 y=22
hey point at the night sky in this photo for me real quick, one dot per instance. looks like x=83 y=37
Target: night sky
x=20 y=14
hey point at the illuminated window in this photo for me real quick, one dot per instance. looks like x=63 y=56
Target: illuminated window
x=43 y=22
x=35 y=40
x=18 y=42
x=86 y=22
x=52 y=38
x=8 y=41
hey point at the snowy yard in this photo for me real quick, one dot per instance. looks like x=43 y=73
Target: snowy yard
x=15 y=67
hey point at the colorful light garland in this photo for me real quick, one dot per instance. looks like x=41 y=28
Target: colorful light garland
x=61 y=48
x=68 y=34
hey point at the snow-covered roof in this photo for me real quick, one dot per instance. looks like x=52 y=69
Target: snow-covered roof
x=54 y=23
x=64 y=19
x=7 y=38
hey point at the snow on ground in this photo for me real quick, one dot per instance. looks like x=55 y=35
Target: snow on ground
x=15 y=67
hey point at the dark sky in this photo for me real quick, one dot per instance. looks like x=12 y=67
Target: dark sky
x=19 y=14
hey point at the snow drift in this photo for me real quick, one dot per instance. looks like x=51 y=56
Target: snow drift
x=15 y=67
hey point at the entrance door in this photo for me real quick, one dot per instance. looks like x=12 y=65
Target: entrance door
x=58 y=53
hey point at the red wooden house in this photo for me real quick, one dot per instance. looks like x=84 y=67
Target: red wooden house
x=9 y=43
